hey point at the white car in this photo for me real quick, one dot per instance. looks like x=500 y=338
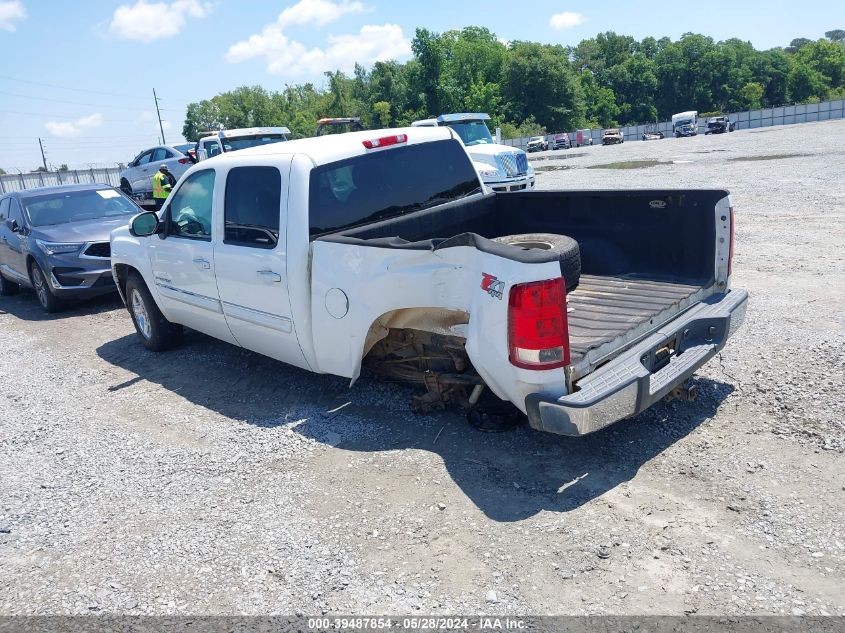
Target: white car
x=501 y=167
x=380 y=249
x=537 y=144
x=137 y=179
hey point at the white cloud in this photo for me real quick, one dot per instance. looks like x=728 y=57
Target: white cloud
x=566 y=20
x=148 y=21
x=319 y=12
x=74 y=128
x=285 y=56
x=10 y=10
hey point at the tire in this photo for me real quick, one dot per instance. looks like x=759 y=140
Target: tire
x=567 y=249
x=156 y=332
x=50 y=302
x=125 y=187
x=8 y=288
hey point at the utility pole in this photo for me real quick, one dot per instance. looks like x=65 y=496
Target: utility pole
x=43 y=159
x=158 y=112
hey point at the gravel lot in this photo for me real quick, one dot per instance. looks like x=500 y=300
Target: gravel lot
x=212 y=480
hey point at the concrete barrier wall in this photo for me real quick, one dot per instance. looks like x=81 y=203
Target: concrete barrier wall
x=768 y=117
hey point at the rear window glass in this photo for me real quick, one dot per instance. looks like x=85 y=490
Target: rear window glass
x=387 y=183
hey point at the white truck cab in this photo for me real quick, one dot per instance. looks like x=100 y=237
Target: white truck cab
x=223 y=141
x=685 y=123
x=501 y=167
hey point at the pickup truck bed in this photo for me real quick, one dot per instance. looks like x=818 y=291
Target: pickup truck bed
x=607 y=312
x=646 y=255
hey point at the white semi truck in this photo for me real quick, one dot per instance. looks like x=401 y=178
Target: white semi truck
x=502 y=168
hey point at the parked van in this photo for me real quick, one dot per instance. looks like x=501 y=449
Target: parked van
x=685 y=123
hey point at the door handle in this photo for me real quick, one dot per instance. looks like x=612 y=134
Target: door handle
x=269 y=275
x=202 y=264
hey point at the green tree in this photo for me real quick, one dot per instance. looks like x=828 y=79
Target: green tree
x=602 y=110
x=752 y=96
x=837 y=35
x=539 y=82
x=63 y=168
x=805 y=83
x=381 y=113
x=428 y=52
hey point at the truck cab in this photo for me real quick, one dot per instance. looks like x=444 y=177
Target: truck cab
x=685 y=124
x=502 y=168
x=223 y=141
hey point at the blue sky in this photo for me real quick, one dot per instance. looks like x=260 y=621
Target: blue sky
x=80 y=75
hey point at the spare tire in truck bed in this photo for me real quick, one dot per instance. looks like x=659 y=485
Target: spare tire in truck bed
x=569 y=254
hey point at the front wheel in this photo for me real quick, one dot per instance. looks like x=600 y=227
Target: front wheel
x=156 y=332
x=125 y=187
x=50 y=302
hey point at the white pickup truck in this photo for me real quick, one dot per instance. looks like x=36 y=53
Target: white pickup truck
x=579 y=307
x=223 y=141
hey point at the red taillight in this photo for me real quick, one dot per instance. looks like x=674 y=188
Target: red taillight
x=184 y=161
x=731 y=251
x=538 y=335
x=386 y=141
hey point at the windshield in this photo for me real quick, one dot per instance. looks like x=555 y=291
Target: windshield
x=234 y=144
x=684 y=122
x=76 y=206
x=536 y=139
x=388 y=183
x=472 y=132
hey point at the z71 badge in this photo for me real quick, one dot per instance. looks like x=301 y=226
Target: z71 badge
x=492 y=286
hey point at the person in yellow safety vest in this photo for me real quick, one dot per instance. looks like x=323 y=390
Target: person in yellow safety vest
x=163 y=182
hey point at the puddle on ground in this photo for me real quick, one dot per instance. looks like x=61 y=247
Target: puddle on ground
x=710 y=151
x=630 y=164
x=765 y=157
x=553 y=167
x=556 y=156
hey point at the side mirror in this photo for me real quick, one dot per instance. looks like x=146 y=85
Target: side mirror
x=12 y=225
x=144 y=224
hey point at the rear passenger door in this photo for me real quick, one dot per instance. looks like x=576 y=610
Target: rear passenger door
x=251 y=262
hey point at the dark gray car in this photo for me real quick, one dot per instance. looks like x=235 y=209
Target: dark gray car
x=55 y=240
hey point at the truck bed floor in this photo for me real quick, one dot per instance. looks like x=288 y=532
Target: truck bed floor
x=613 y=311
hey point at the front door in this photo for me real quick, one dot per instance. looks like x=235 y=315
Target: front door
x=182 y=258
x=12 y=243
x=251 y=263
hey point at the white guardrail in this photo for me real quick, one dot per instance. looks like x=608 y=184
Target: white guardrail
x=31 y=180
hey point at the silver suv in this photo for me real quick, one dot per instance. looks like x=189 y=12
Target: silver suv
x=137 y=178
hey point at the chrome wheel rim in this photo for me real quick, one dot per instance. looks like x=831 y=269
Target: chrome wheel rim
x=139 y=311
x=40 y=286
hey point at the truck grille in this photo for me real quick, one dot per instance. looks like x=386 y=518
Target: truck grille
x=514 y=163
x=99 y=249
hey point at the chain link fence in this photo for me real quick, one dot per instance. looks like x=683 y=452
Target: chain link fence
x=21 y=181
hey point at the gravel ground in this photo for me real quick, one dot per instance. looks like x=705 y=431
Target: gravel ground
x=212 y=480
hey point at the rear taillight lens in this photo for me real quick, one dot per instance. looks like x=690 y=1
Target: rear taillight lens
x=538 y=335
x=184 y=161
x=731 y=250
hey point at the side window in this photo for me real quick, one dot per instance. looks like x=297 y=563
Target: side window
x=15 y=212
x=158 y=154
x=145 y=158
x=253 y=198
x=168 y=154
x=4 y=208
x=213 y=148
x=189 y=211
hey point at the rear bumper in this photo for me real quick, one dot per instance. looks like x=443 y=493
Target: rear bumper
x=626 y=386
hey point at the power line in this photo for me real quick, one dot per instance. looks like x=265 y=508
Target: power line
x=95 y=92
x=82 y=103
